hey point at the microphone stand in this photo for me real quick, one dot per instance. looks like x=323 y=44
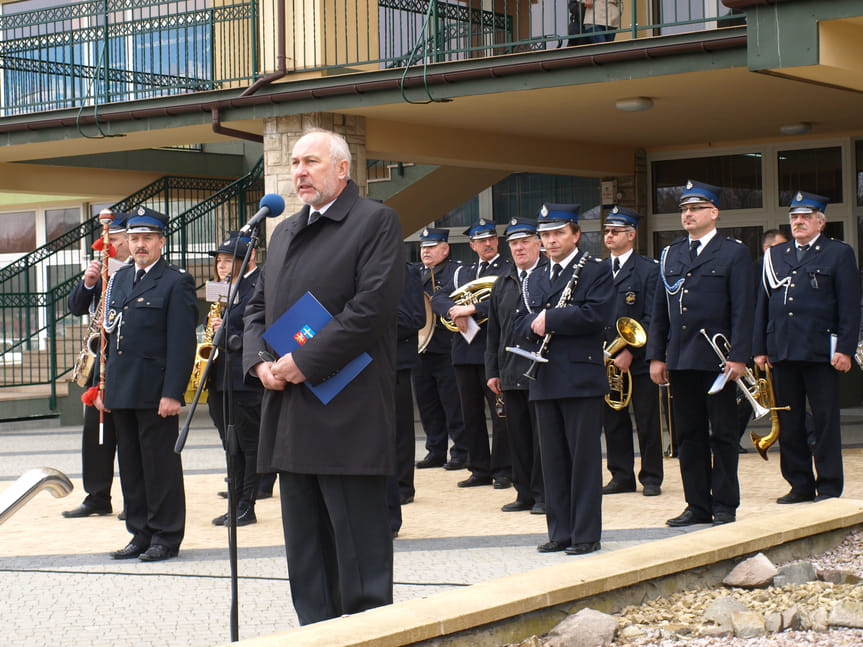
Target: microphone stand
x=222 y=343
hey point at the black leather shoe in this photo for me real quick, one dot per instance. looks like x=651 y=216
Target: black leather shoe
x=552 y=547
x=404 y=499
x=220 y=520
x=86 y=510
x=582 y=549
x=616 y=487
x=538 y=508
x=824 y=497
x=430 y=461
x=223 y=494
x=652 y=490
x=131 y=550
x=245 y=517
x=502 y=482
x=795 y=497
x=721 y=518
x=454 y=464
x=688 y=518
x=474 y=481
x=122 y=515
x=157 y=553
x=517 y=506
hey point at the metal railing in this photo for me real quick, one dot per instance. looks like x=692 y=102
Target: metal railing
x=42 y=339
x=107 y=51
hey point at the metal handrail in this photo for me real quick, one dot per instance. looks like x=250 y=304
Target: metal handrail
x=29 y=485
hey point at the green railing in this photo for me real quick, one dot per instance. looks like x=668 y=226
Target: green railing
x=42 y=339
x=107 y=51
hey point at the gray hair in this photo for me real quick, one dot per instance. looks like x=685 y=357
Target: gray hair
x=339 y=149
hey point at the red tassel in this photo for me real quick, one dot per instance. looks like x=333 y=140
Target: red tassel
x=99 y=246
x=89 y=396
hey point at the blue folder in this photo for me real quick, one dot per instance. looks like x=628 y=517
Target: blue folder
x=295 y=327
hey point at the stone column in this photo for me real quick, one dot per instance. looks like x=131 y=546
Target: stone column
x=280 y=135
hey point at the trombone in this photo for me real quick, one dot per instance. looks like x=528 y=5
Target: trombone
x=665 y=425
x=747 y=384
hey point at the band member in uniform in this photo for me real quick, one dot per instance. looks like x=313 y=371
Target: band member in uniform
x=705 y=284
x=635 y=278
x=468 y=358
x=569 y=388
x=505 y=371
x=333 y=460
x=224 y=378
x=433 y=376
x=806 y=326
x=97 y=461
x=151 y=314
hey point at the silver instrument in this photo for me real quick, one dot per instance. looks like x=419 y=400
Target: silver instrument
x=747 y=384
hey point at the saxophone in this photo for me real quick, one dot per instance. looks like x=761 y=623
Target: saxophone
x=82 y=372
x=203 y=352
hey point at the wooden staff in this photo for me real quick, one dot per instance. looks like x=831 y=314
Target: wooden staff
x=106 y=217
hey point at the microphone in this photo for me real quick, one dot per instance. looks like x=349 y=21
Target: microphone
x=271 y=205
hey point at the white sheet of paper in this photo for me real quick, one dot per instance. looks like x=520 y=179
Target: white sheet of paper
x=833 y=339
x=216 y=291
x=114 y=265
x=718 y=384
x=472 y=330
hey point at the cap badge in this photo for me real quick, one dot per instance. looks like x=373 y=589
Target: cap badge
x=689 y=185
x=514 y=221
x=482 y=222
x=798 y=197
x=544 y=211
x=141 y=211
x=425 y=233
x=615 y=210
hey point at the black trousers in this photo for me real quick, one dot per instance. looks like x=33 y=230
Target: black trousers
x=246 y=416
x=795 y=383
x=338 y=543
x=405 y=435
x=474 y=394
x=521 y=427
x=97 y=461
x=151 y=475
x=439 y=406
x=570 y=442
x=705 y=428
x=620 y=455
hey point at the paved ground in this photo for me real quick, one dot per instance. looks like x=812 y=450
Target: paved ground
x=58 y=585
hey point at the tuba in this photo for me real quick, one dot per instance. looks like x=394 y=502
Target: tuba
x=470 y=294
x=203 y=352
x=425 y=334
x=767 y=398
x=629 y=333
x=82 y=372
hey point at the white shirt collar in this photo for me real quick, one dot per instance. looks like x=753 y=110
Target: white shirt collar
x=565 y=262
x=811 y=243
x=623 y=258
x=704 y=240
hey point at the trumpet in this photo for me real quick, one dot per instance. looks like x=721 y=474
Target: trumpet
x=858 y=354
x=629 y=333
x=470 y=294
x=767 y=397
x=747 y=384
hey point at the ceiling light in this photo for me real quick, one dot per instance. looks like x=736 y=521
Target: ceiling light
x=634 y=104
x=800 y=128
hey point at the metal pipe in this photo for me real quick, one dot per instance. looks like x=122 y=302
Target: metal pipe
x=29 y=485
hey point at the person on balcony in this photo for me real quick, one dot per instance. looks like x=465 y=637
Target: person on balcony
x=593 y=21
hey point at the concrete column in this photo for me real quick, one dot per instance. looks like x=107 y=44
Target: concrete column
x=280 y=135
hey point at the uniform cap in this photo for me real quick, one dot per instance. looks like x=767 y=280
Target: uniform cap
x=555 y=216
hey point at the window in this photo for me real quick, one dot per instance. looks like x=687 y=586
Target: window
x=59 y=221
x=815 y=170
x=739 y=176
x=18 y=234
x=522 y=195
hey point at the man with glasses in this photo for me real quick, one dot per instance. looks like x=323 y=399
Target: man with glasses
x=705 y=285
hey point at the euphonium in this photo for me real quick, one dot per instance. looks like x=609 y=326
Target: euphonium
x=767 y=398
x=203 y=352
x=629 y=333
x=82 y=372
x=470 y=294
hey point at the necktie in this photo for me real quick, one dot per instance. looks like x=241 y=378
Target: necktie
x=482 y=268
x=693 y=249
x=616 y=267
x=555 y=271
x=138 y=276
x=522 y=276
x=801 y=251
x=314 y=216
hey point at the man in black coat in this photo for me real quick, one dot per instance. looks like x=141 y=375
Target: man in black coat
x=97 y=459
x=333 y=459
x=570 y=385
x=634 y=279
x=505 y=371
x=806 y=326
x=151 y=314
x=230 y=390
x=433 y=376
x=468 y=359
x=705 y=285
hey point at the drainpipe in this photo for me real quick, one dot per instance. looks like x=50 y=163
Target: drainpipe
x=281 y=57
x=230 y=132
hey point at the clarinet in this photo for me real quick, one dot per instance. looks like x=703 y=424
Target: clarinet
x=539 y=357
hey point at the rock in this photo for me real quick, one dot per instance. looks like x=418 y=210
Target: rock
x=796 y=573
x=839 y=577
x=714 y=631
x=719 y=611
x=779 y=581
x=632 y=632
x=848 y=613
x=753 y=573
x=818 y=620
x=587 y=628
x=791 y=619
x=533 y=641
x=747 y=624
x=773 y=622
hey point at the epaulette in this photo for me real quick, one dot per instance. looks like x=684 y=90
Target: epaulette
x=734 y=240
x=596 y=259
x=176 y=268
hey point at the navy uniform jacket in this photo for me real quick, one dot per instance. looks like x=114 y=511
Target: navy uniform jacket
x=234 y=323
x=635 y=289
x=505 y=298
x=411 y=318
x=716 y=294
x=474 y=352
x=576 y=367
x=822 y=299
x=81 y=298
x=441 y=341
x=152 y=350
